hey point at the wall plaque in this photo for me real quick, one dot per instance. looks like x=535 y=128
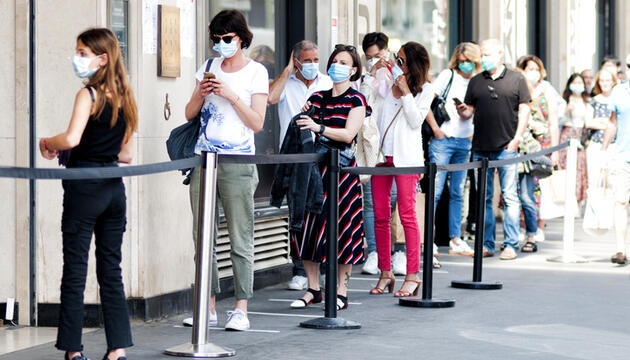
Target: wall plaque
x=169 y=56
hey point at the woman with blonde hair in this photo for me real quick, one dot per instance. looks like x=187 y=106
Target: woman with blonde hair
x=100 y=135
x=451 y=142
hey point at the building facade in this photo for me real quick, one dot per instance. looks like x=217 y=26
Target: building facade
x=158 y=266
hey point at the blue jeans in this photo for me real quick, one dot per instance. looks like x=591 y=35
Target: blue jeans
x=368 y=214
x=528 y=202
x=508 y=176
x=451 y=151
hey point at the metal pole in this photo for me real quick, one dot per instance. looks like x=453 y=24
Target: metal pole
x=570 y=210
x=330 y=320
x=427 y=257
x=476 y=283
x=33 y=147
x=200 y=346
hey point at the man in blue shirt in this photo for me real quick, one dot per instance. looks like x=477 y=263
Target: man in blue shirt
x=619 y=125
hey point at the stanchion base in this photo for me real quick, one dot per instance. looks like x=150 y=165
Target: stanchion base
x=325 y=323
x=200 y=351
x=426 y=303
x=477 y=285
x=571 y=259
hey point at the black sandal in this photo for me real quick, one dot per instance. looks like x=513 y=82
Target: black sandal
x=120 y=358
x=301 y=303
x=344 y=301
x=530 y=247
x=77 y=357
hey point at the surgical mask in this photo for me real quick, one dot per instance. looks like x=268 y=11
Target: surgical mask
x=589 y=89
x=532 y=76
x=309 y=70
x=487 y=63
x=466 y=67
x=577 y=89
x=82 y=66
x=226 y=50
x=372 y=62
x=339 y=72
x=396 y=71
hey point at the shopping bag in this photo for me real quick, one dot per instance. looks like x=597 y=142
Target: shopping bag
x=598 y=214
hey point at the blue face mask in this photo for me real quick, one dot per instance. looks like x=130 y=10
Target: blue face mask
x=339 y=72
x=396 y=72
x=466 y=67
x=82 y=67
x=226 y=50
x=309 y=70
x=487 y=63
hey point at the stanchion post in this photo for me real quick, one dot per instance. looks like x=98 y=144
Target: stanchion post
x=570 y=203
x=330 y=321
x=427 y=260
x=200 y=346
x=476 y=283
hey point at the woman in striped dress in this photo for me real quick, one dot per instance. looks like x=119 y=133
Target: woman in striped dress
x=344 y=112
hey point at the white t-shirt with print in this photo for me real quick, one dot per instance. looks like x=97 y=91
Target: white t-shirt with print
x=456 y=126
x=222 y=130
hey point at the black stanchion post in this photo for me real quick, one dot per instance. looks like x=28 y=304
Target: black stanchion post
x=330 y=321
x=476 y=283
x=427 y=260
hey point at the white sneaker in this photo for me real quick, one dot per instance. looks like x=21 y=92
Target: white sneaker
x=322 y=281
x=212 y=320
x=237 y=321
x=461 y=248
x=298 y=283
x=371 y=264
x=540 y=236
x=399 y=263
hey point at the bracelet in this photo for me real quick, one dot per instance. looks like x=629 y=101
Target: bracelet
x=45 y=141
x=321 y=129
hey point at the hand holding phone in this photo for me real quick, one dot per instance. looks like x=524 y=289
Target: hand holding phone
x=208 y=75
x=457 y=101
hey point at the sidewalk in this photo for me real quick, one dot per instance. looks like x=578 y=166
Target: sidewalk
x=544 y=311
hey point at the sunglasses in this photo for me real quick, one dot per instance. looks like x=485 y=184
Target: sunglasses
x=226 y=38
x=493 y=94
x=345 y=47
x=400 y=61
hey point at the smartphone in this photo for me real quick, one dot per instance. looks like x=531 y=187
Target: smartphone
x=457 y=101
x=208 y=75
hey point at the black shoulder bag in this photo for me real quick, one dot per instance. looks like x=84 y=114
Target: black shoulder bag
x=438 y=107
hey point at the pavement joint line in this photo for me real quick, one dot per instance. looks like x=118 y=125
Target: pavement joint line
x=283 y=314
x=222 y=328
x=292 y=300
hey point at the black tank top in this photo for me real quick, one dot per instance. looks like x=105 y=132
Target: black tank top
x=100 y=141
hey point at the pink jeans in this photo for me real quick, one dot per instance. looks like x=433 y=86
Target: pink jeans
x=381 y=195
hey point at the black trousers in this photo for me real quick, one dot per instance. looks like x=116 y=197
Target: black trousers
x=93 y=207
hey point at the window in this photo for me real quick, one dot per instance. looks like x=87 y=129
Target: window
x=423 y=21
x=119 y=24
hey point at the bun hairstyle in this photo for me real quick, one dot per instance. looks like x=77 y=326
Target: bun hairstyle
x=110 y=80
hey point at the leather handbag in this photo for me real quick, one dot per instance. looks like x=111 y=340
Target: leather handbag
x=438 y=107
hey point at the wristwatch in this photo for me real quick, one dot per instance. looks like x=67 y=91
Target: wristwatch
x=321 y=129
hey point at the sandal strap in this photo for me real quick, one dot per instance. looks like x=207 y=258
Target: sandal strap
x=315 y=293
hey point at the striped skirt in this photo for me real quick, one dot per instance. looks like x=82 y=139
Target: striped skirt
x=310 y=242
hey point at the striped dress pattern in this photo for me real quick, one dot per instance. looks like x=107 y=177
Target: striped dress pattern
x=310 y=242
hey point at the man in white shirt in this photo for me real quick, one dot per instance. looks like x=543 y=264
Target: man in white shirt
x=297 y=82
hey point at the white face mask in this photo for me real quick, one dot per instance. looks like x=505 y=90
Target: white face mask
x=533 y=76
x=82 y=66
x=372 y=62
x=577 y=89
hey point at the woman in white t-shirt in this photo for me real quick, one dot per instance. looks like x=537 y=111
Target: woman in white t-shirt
x=451 y=143
x=231 y=101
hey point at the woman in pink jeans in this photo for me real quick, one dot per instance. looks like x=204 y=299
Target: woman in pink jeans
x=399 y=120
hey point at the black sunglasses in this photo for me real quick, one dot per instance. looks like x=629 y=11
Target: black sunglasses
x=400 y=61
x=345 y=47
x=226 y=38
x=493 y=94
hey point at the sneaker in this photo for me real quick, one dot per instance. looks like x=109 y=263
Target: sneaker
x=371 y=264
x=540 y=236
x=399 y=263
x=322 y=281
x=298 y=283
x=487 y=253
x=237 y=321
x=508 y=254
x=619 y=258
x=461 y=248
x=212 y=320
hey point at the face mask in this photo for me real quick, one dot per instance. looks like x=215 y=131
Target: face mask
x=466 y=67
x=396 y=71
x=82 y=66
x=487 y=63
x=338 y=72
x=226 y=50
x=309 y=70
x=532 y=76
x=577 y=89
x=589 y=89
x=371 y=63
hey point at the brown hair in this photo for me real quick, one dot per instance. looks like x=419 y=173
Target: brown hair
x=522 y=64
x=418 y=64
x=111 y=79
x=356 y=60
x=471 y=51
x=597 y=89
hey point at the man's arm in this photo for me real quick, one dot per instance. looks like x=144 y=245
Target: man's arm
x=523 y=117
x=277 y=86
x=611 y=130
